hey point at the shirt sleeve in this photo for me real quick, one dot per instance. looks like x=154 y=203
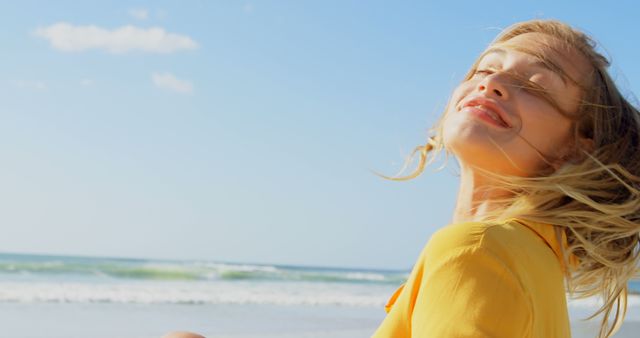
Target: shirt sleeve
x=467 y=293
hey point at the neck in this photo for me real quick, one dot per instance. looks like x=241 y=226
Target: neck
x=476 y=197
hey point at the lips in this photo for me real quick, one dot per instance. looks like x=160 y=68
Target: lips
x=491 y=108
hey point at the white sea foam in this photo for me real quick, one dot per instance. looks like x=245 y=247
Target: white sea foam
x=365 y=276
x=235 y=292
x=43 y=279
x=289 y=293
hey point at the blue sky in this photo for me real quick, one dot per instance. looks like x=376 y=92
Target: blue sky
x=243 y=131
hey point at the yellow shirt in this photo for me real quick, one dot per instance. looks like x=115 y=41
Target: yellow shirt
x=483 y=280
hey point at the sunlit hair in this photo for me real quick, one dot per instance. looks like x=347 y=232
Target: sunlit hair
x=593 y=196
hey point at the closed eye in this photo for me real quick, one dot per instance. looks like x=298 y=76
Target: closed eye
x=483 y=72
x=524 y=82
x=521 y=82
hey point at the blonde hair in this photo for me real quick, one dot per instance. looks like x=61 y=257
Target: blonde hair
x=593 y=196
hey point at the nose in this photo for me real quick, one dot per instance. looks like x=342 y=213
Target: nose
x=492 y=85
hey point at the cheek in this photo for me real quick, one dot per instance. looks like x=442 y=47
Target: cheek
x=453 y=125
x=547 y=129
x=452 y=107
x=570 y=100
x=447 y=130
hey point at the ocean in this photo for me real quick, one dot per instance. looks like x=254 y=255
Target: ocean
x=216 y=298
x=59 y=279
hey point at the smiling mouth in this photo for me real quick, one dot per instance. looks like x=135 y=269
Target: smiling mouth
x=488 y=114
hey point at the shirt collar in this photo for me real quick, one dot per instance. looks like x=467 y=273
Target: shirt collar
x=547 y=233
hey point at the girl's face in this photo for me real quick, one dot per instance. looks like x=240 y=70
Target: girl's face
x=509 y=117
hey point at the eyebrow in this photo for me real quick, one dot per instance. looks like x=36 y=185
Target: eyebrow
x=550 y=66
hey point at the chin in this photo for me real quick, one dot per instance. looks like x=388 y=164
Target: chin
x=473 y=151
x=469 y=139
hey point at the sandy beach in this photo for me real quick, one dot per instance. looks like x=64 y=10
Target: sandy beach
x=214 y=321
x=147 y=321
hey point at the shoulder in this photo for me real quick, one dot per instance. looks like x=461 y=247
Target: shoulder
x=474 y=235
x=504 y=241
x=467 y=264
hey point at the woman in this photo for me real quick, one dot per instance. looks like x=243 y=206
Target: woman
x=549 y=156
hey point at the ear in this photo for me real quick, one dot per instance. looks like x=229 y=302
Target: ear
x=586 y=144
x=574 y=153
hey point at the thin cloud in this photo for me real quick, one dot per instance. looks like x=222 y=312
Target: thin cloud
x=29 y=84
x=86 y=82
x=248 y=7
x=170 y=82
x=69 y=38
x=160 y=14
x=139 y=13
